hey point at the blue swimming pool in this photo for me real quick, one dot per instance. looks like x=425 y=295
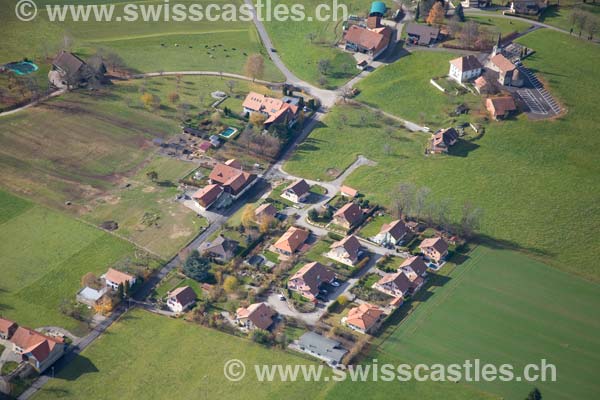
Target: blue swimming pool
x=21 y=67
x=229 y=132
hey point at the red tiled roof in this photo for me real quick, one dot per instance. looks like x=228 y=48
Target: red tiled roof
x=208 y=194
x=347 y=190
x=117 y=277
x=291 y=240
x=373 y=40
x=230 y=174
x=6 y=325
x=502 y=63
x=34 y=342
x=365 y=316
x=274 y=108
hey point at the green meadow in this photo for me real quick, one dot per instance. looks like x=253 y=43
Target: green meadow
x=535 y=180
x=43 y=255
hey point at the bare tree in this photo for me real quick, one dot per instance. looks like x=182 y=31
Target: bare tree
x=403 y=200
x=255 y=66
x=324 y=66
x=421 y=200
x=387 y=149
x=311 y=36
x=443 y=213
x=231 y=84
x=470 y=219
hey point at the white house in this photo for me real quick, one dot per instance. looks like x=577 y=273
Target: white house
x=391 y=234
x=466 y=68
x=181 y=299
x=114 y=278
x=345 y=251
x=297 y=192
x=396 y=284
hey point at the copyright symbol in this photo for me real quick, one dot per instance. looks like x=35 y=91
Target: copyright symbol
x=234 y=370
x=26 y=10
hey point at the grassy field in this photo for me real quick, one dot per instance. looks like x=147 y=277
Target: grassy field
x=560 y=17
x=407 y=82
x=181 y=361
x=43 y=255
x=301 y=54
x=500 y=25
x=138 y=43
x=502 y=307
x=84 y=149
x=532 y=179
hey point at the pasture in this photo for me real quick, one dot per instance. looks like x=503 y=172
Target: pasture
x=43 y=255
x=143 y=46
x=407 y=82
x=532 y=179
x=85 y=148
x=502 y=307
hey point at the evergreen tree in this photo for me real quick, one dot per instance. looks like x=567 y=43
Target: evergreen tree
x=459 y=13
x=418 y=11
x=535 y=394
x=120 y=291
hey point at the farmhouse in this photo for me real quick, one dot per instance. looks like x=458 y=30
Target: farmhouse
x=232 y=178
x=7 y=328
x=370 y=41
x=255 y=316
x=527 y=7
x=68 y=70
x=309 y=278
x=422 y=35
x=114 y=278
x=463 y=69
x=434 y=249
x=221 y=248
x=207 y=196
x=296 y=192
x=275 y=110
x=396 y=284
x=321 y=347
x=291 y=241
x=347 y=191
x=442 y=140
x=181 y=299
x=39 y=350
x=365 y=318
x=348 y=216
x=508 y=73
x=391 y=234
x=345 y=251
x=500 y=107
x=266 y=210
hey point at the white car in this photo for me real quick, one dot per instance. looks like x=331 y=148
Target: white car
x=335 y=284
x=281 y=297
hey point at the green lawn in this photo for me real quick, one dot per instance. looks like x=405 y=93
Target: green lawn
x=374 y=226
x=301 y=55
x=559 y=17
x=127 y=205
x=503 y=26
x=502 y=307
x=44 y=254
x=532 y=179
x=407 y=82
x=139 y=42
x=84 y=149
x=180 y=360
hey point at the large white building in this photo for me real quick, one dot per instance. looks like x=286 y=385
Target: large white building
x=466 y=68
